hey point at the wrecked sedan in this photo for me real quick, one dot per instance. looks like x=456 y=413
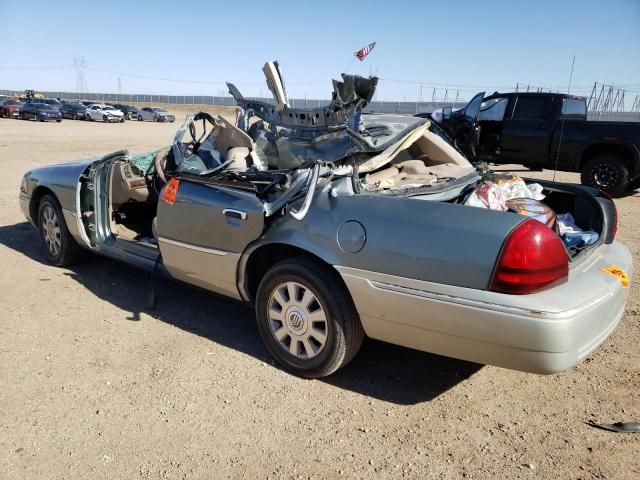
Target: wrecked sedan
x=335 y=225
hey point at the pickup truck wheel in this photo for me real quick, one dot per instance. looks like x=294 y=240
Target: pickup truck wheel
x=307 y=322
x=606 y=172
x=60 y=247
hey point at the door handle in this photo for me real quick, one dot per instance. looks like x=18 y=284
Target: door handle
x=239 y=214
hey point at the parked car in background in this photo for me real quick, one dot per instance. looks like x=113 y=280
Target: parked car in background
x=74 y=111
x=52 y=102
x=547 y=130
x=9 y=107
x=87 y=103
x=130 y=111
x=344 y=224
x=39 y=111
x=155 y=114
x=105 y=113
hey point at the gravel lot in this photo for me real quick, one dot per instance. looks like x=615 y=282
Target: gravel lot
x=94 y=386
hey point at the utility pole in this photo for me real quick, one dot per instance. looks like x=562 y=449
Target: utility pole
x=119 y=86
x=80 y=65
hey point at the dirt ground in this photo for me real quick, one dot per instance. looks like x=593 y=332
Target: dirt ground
x=93 y=386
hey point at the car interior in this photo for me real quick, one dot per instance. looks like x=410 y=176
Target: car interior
x=206 y=147
x=420 y=159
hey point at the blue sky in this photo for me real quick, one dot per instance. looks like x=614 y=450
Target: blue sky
x=465 y=44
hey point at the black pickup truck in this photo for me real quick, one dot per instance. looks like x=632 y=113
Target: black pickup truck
x=547 y=130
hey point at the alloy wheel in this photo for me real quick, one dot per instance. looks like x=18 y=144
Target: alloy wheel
x=51 y=230
x=297 y=320
x=604 y=175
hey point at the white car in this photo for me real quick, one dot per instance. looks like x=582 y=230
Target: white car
x=105 y=113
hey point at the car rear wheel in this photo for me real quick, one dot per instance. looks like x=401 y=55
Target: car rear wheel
x=307 y=319
x=606 y=172
x=59 y=246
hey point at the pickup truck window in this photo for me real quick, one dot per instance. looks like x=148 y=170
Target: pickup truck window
x=572 y=107
x=531 y=108
x=493 y=110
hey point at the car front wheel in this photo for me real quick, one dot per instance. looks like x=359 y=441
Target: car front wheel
x=606 y=172
x=139 y=118
x=59 y=246
x=307 y=319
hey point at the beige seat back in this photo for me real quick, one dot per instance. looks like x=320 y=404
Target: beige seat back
x=126 y=185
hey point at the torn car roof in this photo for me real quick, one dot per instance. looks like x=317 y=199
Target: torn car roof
x=329 y=133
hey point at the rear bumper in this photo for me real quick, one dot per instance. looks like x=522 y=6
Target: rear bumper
x=546 y=332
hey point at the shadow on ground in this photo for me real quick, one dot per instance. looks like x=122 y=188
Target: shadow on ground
x=380 y=370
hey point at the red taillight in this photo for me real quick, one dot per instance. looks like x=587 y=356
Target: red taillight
x=532 y=257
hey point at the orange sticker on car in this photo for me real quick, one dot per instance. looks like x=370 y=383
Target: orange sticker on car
x=170 y=191
x=619 y=273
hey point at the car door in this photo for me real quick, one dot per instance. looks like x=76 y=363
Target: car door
x=463 y=126
x=203 y=229
x=526 y=133
x=489 y=129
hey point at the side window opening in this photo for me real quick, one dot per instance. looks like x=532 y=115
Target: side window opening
x=574 y=108
x=493 y=110
x=531 y=108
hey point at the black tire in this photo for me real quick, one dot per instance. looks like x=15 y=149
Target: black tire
x=50 y=218
x=122 y=119
x=155 y=119
x=58 y=121
x=139 y=118
x=341 y=326
x=607 y=172
x=75 y=116
x=105 y=118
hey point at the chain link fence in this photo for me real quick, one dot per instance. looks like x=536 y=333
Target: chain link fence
x=404 y=107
